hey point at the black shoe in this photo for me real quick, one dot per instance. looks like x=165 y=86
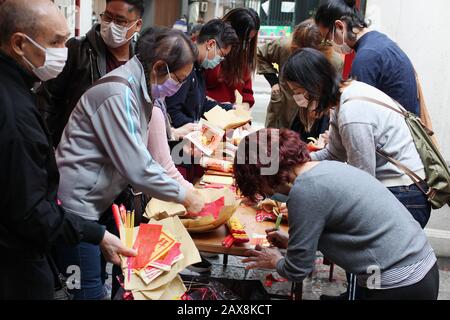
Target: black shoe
x=342 y=296
x=201 y=267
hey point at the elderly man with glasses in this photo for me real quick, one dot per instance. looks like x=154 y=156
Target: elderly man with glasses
x=105 y=47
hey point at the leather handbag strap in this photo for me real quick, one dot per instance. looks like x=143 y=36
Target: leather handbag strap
x=401 y=111
x=372 y=100
x=418 y=181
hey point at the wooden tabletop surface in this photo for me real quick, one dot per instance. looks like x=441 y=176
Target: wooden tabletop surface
x=212 y=241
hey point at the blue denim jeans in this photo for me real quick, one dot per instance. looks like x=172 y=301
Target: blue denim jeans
x=415 y=201
x=88 y=257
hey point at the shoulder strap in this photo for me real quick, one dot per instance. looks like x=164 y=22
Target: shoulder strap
x=401 y=110
x=116 y=79
x=383 y=104
x=414 y=177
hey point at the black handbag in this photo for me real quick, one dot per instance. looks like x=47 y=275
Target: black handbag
x=61 y=290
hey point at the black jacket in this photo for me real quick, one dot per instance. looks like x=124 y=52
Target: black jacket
x=190 y=103
x=86 y=64
x=30 y=219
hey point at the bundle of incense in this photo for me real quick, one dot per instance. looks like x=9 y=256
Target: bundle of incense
x=125 y=224
x=129 y=229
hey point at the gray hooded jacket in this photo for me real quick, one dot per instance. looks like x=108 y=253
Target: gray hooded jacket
x=103 y=147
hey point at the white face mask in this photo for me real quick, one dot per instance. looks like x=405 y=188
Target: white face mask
x=343 y=48
x=114 y=35
x=302 y=102
x=55 y=60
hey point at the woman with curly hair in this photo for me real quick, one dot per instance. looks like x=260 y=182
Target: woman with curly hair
x=331 y=210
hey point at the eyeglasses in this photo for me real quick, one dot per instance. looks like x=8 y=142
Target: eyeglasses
x=327 y=37
x=106 y=17
x=181 y=82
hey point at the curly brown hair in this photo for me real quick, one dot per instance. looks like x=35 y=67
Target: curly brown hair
x=282 y=145
x=307 y=35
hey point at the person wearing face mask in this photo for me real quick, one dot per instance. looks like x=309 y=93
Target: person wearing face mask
x=105 y=47
x=32 y=50
x=235 y=73
x=331 y=210
x=104 y=146
x=379 y=61
x=359 y=127
x=188 y=105
x=283 y=110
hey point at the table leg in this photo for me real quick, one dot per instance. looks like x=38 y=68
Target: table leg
x=225 y=260
x=330 y=278
x=297 y=291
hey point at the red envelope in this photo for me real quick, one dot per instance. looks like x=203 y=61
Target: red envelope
x=212 y=208
x=169 y=259
x=146 y=240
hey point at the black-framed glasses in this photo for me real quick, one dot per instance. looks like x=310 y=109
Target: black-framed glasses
x=108 y=18
x=329 y=37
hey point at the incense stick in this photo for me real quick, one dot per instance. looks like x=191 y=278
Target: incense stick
x=279 y=216
x=130 y=237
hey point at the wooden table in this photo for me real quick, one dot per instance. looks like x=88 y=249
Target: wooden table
x=212 y=241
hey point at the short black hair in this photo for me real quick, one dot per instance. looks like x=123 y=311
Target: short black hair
x=17 y=17
x=169 y=45
x=195 y=29
x=344 y=10
x=220 y=31
x=311 y=70
x=137 y=4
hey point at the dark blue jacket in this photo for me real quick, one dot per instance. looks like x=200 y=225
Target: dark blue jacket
x=190 y=102
x=380 y=62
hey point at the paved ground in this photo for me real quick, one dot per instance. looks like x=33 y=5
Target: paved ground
x=315 y=285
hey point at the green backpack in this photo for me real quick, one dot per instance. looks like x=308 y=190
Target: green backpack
x=436 y=169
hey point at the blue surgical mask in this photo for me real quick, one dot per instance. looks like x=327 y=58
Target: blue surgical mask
x=167 y=89
x=212 y=63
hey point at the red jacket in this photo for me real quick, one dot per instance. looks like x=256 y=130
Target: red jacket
x=218 y=90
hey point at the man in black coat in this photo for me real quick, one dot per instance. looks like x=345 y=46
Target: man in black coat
x=32 y=49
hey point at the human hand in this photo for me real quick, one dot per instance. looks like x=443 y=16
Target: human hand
x=277 y=238
x=181 y=132
x=194 y=202
x=245 y=106
x=190 y=149
x=324 y=138
x=265 y=258
x=276 y=90
x=112 y=246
